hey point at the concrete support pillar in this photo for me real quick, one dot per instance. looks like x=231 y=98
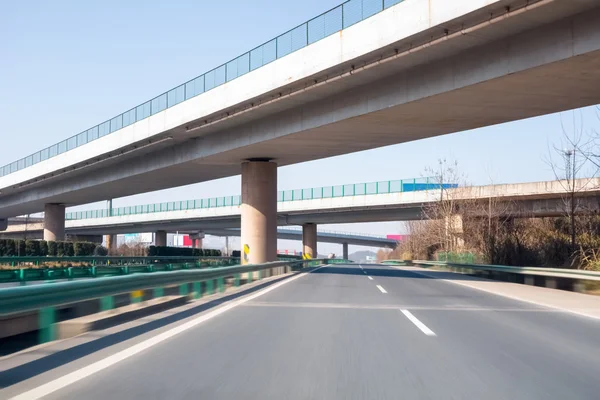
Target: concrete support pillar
x=54 y=222
x=309 y=240
x=3 y=224
x=345 y=251
x=160 y=238
x=454 y=232
x=197 y=240
x=111 y=243
x=259 y=212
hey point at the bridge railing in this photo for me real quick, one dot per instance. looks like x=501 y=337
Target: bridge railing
x=324 y=192
x=326 y=24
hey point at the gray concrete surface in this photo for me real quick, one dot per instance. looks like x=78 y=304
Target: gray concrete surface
x=334 y=335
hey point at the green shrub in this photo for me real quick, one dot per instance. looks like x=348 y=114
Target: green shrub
x=68 y=249
x=2 y=247
x=165 y=251
x=32 y=248
x=100 y=251
x=11 y=249
x=60 y=249
x=151 y=251
x=43 y=248
x=21 y=248
x=52 y=248
x=82 y=249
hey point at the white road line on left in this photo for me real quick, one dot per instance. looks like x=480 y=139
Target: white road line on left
x=370 y=278
x=66 y=380
x=418 y=323
x=381 y=288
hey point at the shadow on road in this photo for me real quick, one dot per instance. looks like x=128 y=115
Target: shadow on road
x=30 y=369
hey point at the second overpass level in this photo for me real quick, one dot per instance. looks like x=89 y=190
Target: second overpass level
x=397 y=200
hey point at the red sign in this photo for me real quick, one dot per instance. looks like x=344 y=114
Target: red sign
x=187 y=242
x=397 y=238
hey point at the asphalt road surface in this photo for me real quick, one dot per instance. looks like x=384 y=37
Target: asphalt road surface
x=361 y=332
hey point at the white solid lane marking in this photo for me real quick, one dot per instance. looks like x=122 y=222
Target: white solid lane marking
x=508 y=296
x=66 y=380
x=418 y=323
x=381 y=288
x=369 y=277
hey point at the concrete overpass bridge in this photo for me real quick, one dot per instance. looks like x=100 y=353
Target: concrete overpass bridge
x=398 y=200
x=363 y=75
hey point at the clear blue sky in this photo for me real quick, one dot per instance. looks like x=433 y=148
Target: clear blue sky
x=68 y=65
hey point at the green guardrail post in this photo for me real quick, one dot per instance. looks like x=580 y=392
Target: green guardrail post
x=260 y=274
x=158 y=292
x=236 y=280
x=22 y=277
x=47 y=327
x=250 y=275
x=197 y=290
x=107 y=303
x=210 y=286
x=184 y=289
x=221 y=283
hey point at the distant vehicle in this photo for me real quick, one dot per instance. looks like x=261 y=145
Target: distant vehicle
x=331 y=256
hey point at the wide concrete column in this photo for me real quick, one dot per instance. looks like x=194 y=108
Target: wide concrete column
x=259 y=211
x=111 y=243
x=160 y=238
x=309 y=241
x=345 y=251
x=54 y=222
x=454 y=232
x=197 y=240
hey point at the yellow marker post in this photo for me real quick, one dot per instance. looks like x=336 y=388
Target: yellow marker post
x=246 y=253
x=136 y=296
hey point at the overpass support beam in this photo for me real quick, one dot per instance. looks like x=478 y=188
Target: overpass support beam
x=309 y=240
x=160 y=238
x=3 y=224
x=54 y=222
x=259 y=211
x=345 y=251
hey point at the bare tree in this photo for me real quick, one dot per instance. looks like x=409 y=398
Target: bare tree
x=489 y=222
x=444 y=212
x=570 y=161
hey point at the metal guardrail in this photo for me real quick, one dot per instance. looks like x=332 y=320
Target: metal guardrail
x=24 y=275
x=537 y=271
x=106 y=260
x=29 y=298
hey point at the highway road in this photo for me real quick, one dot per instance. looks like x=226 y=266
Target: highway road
x=346 y=332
